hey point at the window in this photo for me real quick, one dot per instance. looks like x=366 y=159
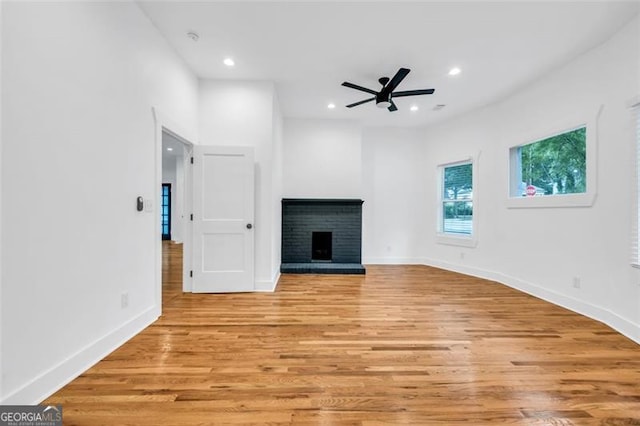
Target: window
x=457 y=201
x=555 y=165
x=165 y=212
x=556 y=168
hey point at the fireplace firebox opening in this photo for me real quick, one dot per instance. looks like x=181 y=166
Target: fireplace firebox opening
x=321 y=246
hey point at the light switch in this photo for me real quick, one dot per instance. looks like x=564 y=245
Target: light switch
x=148 y=205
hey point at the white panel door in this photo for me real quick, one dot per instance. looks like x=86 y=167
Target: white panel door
x=223 y=215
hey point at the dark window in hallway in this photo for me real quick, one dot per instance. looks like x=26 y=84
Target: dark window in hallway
x=165 y=211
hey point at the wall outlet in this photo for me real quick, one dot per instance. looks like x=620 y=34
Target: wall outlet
x=124 y=300
x=576 y=282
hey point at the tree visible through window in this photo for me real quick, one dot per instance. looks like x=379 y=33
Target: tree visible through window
x=457 y=199
x=551 y=166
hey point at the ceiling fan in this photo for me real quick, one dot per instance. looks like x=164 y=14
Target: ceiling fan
x=384 y=97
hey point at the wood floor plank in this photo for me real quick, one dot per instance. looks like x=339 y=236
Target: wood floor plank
x=400 y=345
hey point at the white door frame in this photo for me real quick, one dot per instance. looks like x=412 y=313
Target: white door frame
x=187 y=245
x=163 y=123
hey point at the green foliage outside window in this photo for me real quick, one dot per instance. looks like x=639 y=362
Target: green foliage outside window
x=458 y=181
x=557 y=165
x=457 y=198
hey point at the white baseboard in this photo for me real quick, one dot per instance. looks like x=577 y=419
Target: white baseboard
x=613 y=320
x=64 y=372
x=259 y=286
x=267 y=286
x=393 y=261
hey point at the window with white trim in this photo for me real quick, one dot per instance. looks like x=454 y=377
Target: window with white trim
x=558 y=159
x=555 y=165
x=456 y=199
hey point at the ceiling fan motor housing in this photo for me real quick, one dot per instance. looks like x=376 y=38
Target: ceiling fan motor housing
x=383 y=100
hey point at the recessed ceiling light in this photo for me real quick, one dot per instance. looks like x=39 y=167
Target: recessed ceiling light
x=454 y=71
x=331 y=106
x=414 y=107
x=169 y=149
x=229 y=62
x=193 y=35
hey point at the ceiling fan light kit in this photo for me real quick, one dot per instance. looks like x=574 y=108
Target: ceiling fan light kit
x=383 y=101
x=384 y=98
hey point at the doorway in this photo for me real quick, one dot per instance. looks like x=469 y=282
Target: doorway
x=173 y=214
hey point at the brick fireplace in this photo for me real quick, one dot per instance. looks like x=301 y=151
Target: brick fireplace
x=322 y=236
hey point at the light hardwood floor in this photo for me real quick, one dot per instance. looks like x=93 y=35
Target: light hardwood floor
x=401 y=345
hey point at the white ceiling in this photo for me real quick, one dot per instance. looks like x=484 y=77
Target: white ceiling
x=309 y=48
x=170 y=142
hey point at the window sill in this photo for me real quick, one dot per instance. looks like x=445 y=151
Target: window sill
x=454 y=240
x=552 y=201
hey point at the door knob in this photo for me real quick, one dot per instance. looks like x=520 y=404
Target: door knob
x=249 y=226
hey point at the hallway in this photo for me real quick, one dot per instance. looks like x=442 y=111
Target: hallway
x=171 y=272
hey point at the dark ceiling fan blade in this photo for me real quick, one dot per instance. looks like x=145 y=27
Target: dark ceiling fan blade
x=413 y=92
x=400 y=75
x=355 y=86
x=392 y=107
x=360 y=103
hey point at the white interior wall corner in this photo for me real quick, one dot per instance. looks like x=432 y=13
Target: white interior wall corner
x=277 y=190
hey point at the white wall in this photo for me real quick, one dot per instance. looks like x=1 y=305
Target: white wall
x=79 y=81
x=241 y=113
x=541 y=250
x=1 y=273
x=322 y=159
x=277 y=183
x=394 y=177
